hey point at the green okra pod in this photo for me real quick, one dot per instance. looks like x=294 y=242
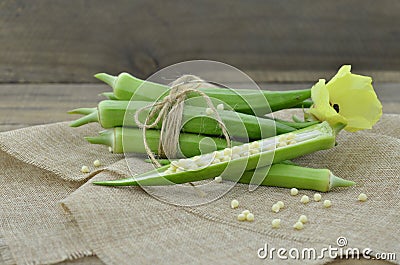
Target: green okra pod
x=111 y=113
x=291 y=176
x=130 y=140
x=255 y=102
x=287 y=174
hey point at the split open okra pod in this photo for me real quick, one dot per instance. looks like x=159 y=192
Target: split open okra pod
x=233 y=162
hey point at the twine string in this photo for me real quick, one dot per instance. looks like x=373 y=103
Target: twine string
x=169 y=111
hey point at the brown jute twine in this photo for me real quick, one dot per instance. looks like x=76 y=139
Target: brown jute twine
x=170 y=111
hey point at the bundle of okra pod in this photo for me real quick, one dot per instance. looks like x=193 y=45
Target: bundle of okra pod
x=347 y=101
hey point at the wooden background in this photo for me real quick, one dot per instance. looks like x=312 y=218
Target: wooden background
x=68 y=41
x=281 y=44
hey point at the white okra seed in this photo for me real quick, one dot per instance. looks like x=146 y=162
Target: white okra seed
x=298 y=225
x=270 y=147
x=282 y=138
x=280 y=204
x=96 y=163
x=235 y=156
x=209 y=111
x=218 y=154
x=327 y=203
x=220 y=106
x=227 y=151
x=290 y=136
x=254 y=151
x=216 y=161
x=85 y=169
x=255 y=145
x=275 y=208
x=276 y=223
x=236 y=150
x=317 y=197
x=250 y=217
x=241 y=217
x=294 y=191
x=291 y=142
x=303 y=219
x=305 y=199
x=246 y=212
x=110 y=149
x=362 y=197
x=182 y=162
x=234 y=204
x=218 y=179
x=228 y=157
x=246 y=147
x=282 y=144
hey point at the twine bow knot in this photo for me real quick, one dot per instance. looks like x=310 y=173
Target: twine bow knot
x=169 y=110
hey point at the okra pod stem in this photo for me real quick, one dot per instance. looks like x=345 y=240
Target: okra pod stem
x=255 y=102
x=239 y=159
x=297 y=125
x=109 y=95
x=83 y=111
x=305 y=104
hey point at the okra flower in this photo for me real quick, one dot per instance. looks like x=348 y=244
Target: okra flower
x=347 y=98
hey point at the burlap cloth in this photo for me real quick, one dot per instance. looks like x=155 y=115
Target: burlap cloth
x=49 y=213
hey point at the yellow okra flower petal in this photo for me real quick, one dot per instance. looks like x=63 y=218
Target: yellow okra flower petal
x=346 y=97
x=321 y=108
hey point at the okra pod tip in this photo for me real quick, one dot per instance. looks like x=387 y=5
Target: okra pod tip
x=106 y=78
x=105 y=138
x=109 y=95
x=335 y=181
x=91 y=117
x=83 y=111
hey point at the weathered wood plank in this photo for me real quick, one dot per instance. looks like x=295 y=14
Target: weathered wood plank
x=69 y=41
x=27 y=105
x=23 y=105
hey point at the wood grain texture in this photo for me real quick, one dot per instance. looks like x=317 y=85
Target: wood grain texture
x=68 y=41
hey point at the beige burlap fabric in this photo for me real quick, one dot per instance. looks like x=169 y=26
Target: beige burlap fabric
x=34 y=163
x=128 y=226
x=57 y=148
